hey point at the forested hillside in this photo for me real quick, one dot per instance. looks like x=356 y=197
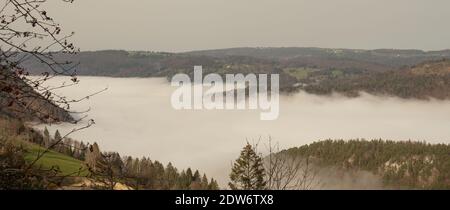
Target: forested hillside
x=144 y=64
x=407 y=165
x=71 y=163
x=18 y=99
x=315 y=70
x=426 y=80
x=381 y=57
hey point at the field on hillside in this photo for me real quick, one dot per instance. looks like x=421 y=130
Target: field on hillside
x=67 y=165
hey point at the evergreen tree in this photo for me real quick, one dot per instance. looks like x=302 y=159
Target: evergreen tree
x=196 y=176
x=171 y=177
x=181 y=183
x=204 y=182
x=57 y=136
x=188 y=178
x=248 y=171
x=128 y=166
x=213 y=185
x=58 y=141
x=196 y=183
x=158 y=174
x=82 y=151
x=189 y=174
x=66 y=148
x=47 y=138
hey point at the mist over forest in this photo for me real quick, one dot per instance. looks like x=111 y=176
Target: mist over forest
x=145 y=124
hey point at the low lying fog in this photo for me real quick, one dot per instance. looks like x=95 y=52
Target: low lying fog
x=135 y=117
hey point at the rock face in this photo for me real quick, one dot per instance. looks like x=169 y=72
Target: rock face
x=94 y=158
x=19 y=100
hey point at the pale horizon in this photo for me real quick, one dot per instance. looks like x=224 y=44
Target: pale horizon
x=181 y=26
x=226 y=48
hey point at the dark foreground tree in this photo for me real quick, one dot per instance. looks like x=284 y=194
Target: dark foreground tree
x=276 y=170
x=248 y=172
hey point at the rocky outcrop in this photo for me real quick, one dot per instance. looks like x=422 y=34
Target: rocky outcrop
x=83 y=183
x=94 y=159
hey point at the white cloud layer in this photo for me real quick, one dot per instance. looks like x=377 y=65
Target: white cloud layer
x=135 y=117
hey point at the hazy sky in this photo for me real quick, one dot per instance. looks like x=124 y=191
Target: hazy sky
x=182 y=25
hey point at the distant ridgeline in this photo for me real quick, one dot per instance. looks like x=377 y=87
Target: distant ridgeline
x=310 y=69
x=424 y=81
x=404 y=165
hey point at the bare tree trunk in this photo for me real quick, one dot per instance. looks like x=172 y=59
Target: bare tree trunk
x=288 y=172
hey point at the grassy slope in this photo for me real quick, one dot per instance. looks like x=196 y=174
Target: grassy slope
x=67 y=165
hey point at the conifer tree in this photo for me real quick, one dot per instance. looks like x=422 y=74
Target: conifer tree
x=47 y=139
x=204 y=182
x=196 y=176
x=181 y=183
x=57 y=136
x=57 y=141
x=213 y=185
x=248 y=171
x=171 y=176
x=82 y=151
x=188 y=178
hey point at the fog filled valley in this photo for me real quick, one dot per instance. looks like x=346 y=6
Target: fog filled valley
x=134 y=117
x=231 y=96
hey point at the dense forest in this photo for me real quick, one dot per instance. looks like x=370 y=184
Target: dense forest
x=404 y=165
